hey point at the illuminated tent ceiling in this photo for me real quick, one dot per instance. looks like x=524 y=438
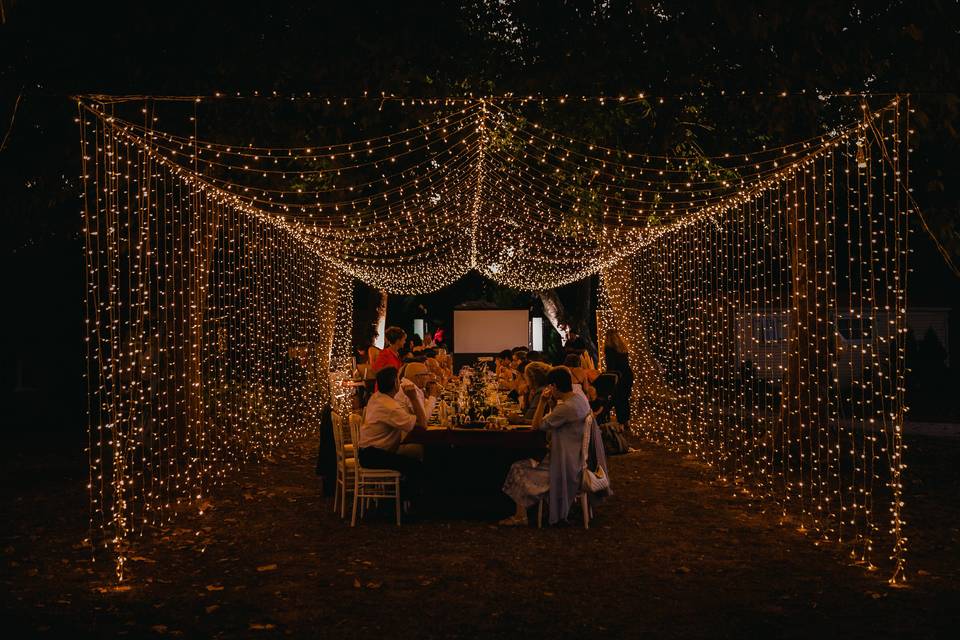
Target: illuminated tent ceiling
x=477 y=188
x=219 y=296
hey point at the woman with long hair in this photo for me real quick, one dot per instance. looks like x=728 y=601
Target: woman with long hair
x=617 y=361
x=581 y=376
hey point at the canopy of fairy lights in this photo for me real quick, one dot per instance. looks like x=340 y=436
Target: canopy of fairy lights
x=762 y=294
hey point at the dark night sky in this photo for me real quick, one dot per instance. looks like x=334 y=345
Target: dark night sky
x=52 y=49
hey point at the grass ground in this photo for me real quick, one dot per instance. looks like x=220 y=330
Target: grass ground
x=670 y=555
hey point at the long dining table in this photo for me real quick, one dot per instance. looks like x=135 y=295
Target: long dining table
x=464 y=468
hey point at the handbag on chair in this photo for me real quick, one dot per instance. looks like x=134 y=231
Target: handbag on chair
x=593 y=482
x=590 y=481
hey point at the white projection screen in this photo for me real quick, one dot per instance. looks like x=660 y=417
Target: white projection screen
x=485 y=331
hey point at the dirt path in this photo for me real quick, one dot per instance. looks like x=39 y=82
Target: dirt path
x=671 y=555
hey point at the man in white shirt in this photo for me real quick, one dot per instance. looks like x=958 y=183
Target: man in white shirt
x=384 y=422
x=416 y=377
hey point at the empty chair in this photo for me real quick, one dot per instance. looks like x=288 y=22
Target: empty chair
x=346 y=461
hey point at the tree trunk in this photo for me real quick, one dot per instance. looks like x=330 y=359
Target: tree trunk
x=652 y=398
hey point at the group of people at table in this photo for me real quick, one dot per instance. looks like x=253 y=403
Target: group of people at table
x=557 y=399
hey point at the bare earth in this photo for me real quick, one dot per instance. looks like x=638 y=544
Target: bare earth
x=671 y=555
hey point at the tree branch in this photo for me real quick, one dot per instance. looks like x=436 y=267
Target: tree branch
x=6 y=137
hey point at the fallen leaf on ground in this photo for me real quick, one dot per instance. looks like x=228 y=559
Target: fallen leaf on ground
x=214 y=587
x=114 y=589
x=261 y=626
x=356 y=583
x=267 y=567
x=211 y=608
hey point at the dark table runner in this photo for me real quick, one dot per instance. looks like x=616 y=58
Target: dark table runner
x=512 y=439
x=465 y=468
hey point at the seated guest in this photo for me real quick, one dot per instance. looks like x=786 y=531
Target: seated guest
x=536 y=356
x=581 y=344
x=520 y=386
x=417 y=377
x=359 y=355
x=439 y=373
x=502 y=361
x=582 y=378
x=517 y=357
x=390 y=356
x=535 y=376
x=433 y=366
x=445 y=361
x=384 y=422
x=559 y=472
x=606 y=387
x=585 y=361
x=505 y=374
x=407 y=360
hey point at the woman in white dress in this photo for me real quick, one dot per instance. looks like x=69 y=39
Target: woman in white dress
x=558 y=474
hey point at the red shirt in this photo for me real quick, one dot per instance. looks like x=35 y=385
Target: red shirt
x=387 y=358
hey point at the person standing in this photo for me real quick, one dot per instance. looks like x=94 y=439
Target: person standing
x=618 y=361
x=390 y=356
x=440 y=336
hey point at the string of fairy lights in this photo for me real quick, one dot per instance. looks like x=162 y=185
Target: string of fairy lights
x=769 y=339
x=411 y=189
x=209 y=333
x=762 y=293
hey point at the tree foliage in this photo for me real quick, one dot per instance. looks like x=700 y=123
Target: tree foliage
x=729 y=51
